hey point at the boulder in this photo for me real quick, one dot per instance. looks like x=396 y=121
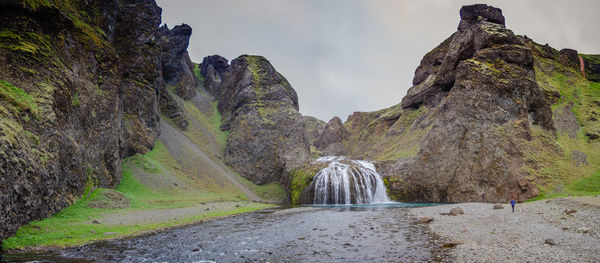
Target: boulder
x=177 y=68
x=498 y=206
x=456 y=211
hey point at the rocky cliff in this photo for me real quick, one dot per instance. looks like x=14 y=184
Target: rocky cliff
x=260 y=110
x=80 y=85
x=482 y=117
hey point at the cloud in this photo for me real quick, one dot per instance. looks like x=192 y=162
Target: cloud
x=351 y=55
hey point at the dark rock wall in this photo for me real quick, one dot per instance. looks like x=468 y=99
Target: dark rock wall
x=80 y=83
x=260 y=109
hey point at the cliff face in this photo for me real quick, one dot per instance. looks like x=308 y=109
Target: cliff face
x=260 y=110
x=80 y=83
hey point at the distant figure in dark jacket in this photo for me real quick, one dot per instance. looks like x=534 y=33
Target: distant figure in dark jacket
x=483 y=197
x=512 y=203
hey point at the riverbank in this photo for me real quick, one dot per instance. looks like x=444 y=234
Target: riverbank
x=552 y=230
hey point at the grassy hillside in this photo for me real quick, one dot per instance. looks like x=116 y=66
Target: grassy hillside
x=568 y=163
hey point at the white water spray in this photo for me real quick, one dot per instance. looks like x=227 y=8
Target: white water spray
x=346 y=181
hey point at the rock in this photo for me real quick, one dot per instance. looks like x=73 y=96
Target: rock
x=425 y=220
x=177 y=68
x=550 y=241
x=471 y=14
x=570 y=58
x=212 y=69
x=451 y=244
x=465 y=99
x=313 y=128
x=456 y=211
x=95 y=221
x=591 y=67
x=109 y=233
x=565 y=228
x=566 y=121
x=330 y=142
x=498 y=206
x=584 y=230
x=260 y=109
x=570 y=211
x=444 y=214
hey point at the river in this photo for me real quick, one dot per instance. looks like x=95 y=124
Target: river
x=368 y=233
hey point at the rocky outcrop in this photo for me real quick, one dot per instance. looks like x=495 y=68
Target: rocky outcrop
x=80 y=84
x=260 y=109
x=212 y=69
x=331 y=140
x=177 y=67
x=313 y=128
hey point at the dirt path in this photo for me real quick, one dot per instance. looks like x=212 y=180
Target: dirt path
x=169 y=134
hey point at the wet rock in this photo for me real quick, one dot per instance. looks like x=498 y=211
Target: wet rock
x=498 y=206
x=456 y=211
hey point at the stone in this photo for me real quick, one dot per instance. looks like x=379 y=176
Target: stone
x=498 y=206
x=471 y=14
x=95 y=221
x=584 y=230
x=426 y=220
x=570 y=211
x=212 y=70
x=456 y=211
x=177 y=68
x=550 y=241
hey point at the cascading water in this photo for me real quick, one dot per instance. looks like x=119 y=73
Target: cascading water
x=346 y=181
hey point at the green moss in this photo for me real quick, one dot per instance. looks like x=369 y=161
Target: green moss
x=75 y=100
x=198 y=74
x=18 y=98
x=301 y=178
x=35 y=4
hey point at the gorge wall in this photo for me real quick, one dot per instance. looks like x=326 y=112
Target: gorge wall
x=82 y=86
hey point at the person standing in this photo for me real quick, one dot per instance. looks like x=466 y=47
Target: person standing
x=512 y=203
x=483 y=197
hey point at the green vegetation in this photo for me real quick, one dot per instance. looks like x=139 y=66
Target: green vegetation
x=551 y=159
x=18 y=98
x=198 y=74
x=302 y=178
x=75 y=100
x=272 y=191
x=74 y=224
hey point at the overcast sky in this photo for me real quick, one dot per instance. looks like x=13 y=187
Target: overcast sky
x=343 y=56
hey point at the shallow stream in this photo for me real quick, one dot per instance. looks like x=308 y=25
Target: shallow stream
x=358 y=233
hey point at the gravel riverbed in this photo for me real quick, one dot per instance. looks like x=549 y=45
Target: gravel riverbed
x=554 y=230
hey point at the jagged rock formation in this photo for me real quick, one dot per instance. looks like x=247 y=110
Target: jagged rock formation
x=260 y=109
x=178 y=69
x=313 y=128
x=331 y=140
x=80 y=83
x=212 y=69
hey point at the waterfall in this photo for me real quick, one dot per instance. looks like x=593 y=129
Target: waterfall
x=346 y=181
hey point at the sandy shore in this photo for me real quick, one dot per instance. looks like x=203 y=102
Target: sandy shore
x=541 y=231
